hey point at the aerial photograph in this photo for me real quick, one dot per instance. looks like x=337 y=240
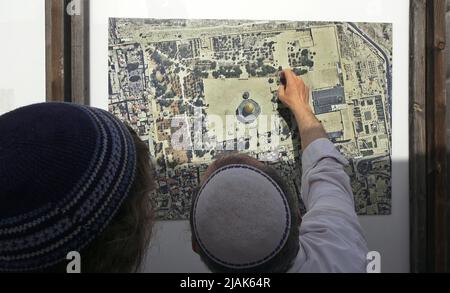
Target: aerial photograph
x=195 y=90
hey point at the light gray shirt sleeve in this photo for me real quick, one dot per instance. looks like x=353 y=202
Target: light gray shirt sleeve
x=331 y=238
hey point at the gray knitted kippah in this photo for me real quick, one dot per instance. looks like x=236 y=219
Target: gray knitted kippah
x=241 y=217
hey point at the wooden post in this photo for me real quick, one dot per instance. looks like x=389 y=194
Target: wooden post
x=80 y=54
x=436 y=128
x=418 y=147
x=428 y=224
x=67 y=50
x=54 y=46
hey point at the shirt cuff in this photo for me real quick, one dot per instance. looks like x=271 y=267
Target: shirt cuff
x=318 y=150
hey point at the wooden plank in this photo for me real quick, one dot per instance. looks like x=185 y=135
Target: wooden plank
x=67 y=51
x=54 y=46
x=438 y=135
x=80 y=54
x=418 y=147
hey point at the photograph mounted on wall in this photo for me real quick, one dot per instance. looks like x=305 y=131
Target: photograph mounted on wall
x=197 y=89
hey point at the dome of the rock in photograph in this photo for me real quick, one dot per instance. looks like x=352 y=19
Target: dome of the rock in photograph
x=248 y=111
x=249 y=108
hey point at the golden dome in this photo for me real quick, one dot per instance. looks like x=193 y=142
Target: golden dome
x=249 y=108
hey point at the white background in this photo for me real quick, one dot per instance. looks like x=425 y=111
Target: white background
x=22 y=53
x=171 y=249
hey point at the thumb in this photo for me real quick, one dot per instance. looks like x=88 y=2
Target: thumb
x=281 y=92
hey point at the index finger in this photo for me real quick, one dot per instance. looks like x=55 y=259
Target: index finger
x=291 y=78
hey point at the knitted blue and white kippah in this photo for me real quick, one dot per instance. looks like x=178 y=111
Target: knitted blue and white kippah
x=64 y=172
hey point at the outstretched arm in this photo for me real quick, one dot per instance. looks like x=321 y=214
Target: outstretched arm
x=330 y=234
x=324 y=179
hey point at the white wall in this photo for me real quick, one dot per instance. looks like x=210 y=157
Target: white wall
x=389 y=235
x=22 y=53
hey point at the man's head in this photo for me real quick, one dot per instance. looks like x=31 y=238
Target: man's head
x=72 y=178
x=121 y=247
x=244 y=218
